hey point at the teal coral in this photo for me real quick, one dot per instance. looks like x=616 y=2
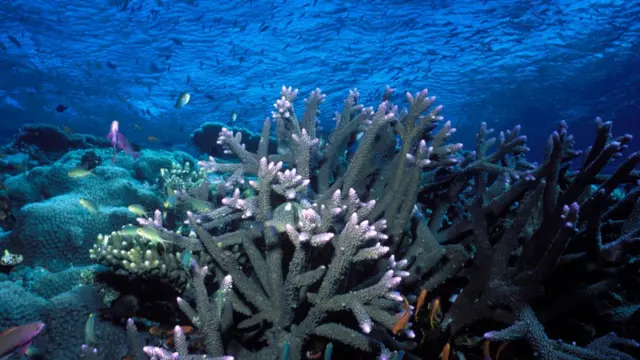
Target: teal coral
x=321 y=216
x=18 y=305
x=528 y=328
x=62 y=302
x=65 y=317
x=53 y=226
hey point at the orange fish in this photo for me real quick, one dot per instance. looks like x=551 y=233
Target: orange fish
x=403 y=321
x=185 y=329
x=127 y=357
x=153 y=139
x=434 y=311
x=486 y=349
x=501 y=349
x=169 y=341
x=446 y=351
x=420 y=302
x=156 y=331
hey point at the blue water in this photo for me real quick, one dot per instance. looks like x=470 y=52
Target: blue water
x=80 y=64
x=503 y=62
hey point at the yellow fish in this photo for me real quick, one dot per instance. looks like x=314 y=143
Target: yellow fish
x=234 y=117
x=129 y=230
x=67 y=130
x=80 y=173
x=183 y=100
x=151 y=235
x=138 y=210
x=89 y=205
x=153 y=139
x=89 y=330
x=170 y=202
x=199 y=205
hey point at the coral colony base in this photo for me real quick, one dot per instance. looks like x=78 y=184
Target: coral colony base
x=381 y=240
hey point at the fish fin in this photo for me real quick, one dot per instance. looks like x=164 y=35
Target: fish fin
x=23 y=350
x=10 y=330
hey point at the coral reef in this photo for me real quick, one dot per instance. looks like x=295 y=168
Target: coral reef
x=529 y=328
x=309 y=219
x=90 y=160
x=383 y=238
x=180 y=177
x=44 y=143
x=499 y=227
x=51 y=226
x=63 y=301
x=201 y=138
x=128 y=252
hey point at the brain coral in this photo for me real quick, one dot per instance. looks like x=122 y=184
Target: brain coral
x=65 y=318
x=63 y=302
x=52 y=228
x=18 y=306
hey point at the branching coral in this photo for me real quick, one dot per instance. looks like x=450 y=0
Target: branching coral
x=278 y=299
x=508 y=269
x=528 y=328
x=322 y=222
x=305 y=197
x=180 y=177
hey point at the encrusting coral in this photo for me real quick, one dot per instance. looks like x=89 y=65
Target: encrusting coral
x=341 y=225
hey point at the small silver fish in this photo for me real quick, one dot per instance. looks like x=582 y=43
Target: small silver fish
x=183 y=100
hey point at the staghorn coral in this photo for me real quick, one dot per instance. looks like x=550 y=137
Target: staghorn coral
x=307 y=197
x=207 y=317
x=520 y=234
x=274 y=297
x=559 y=207
x=528 y=327
x=502 y=225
